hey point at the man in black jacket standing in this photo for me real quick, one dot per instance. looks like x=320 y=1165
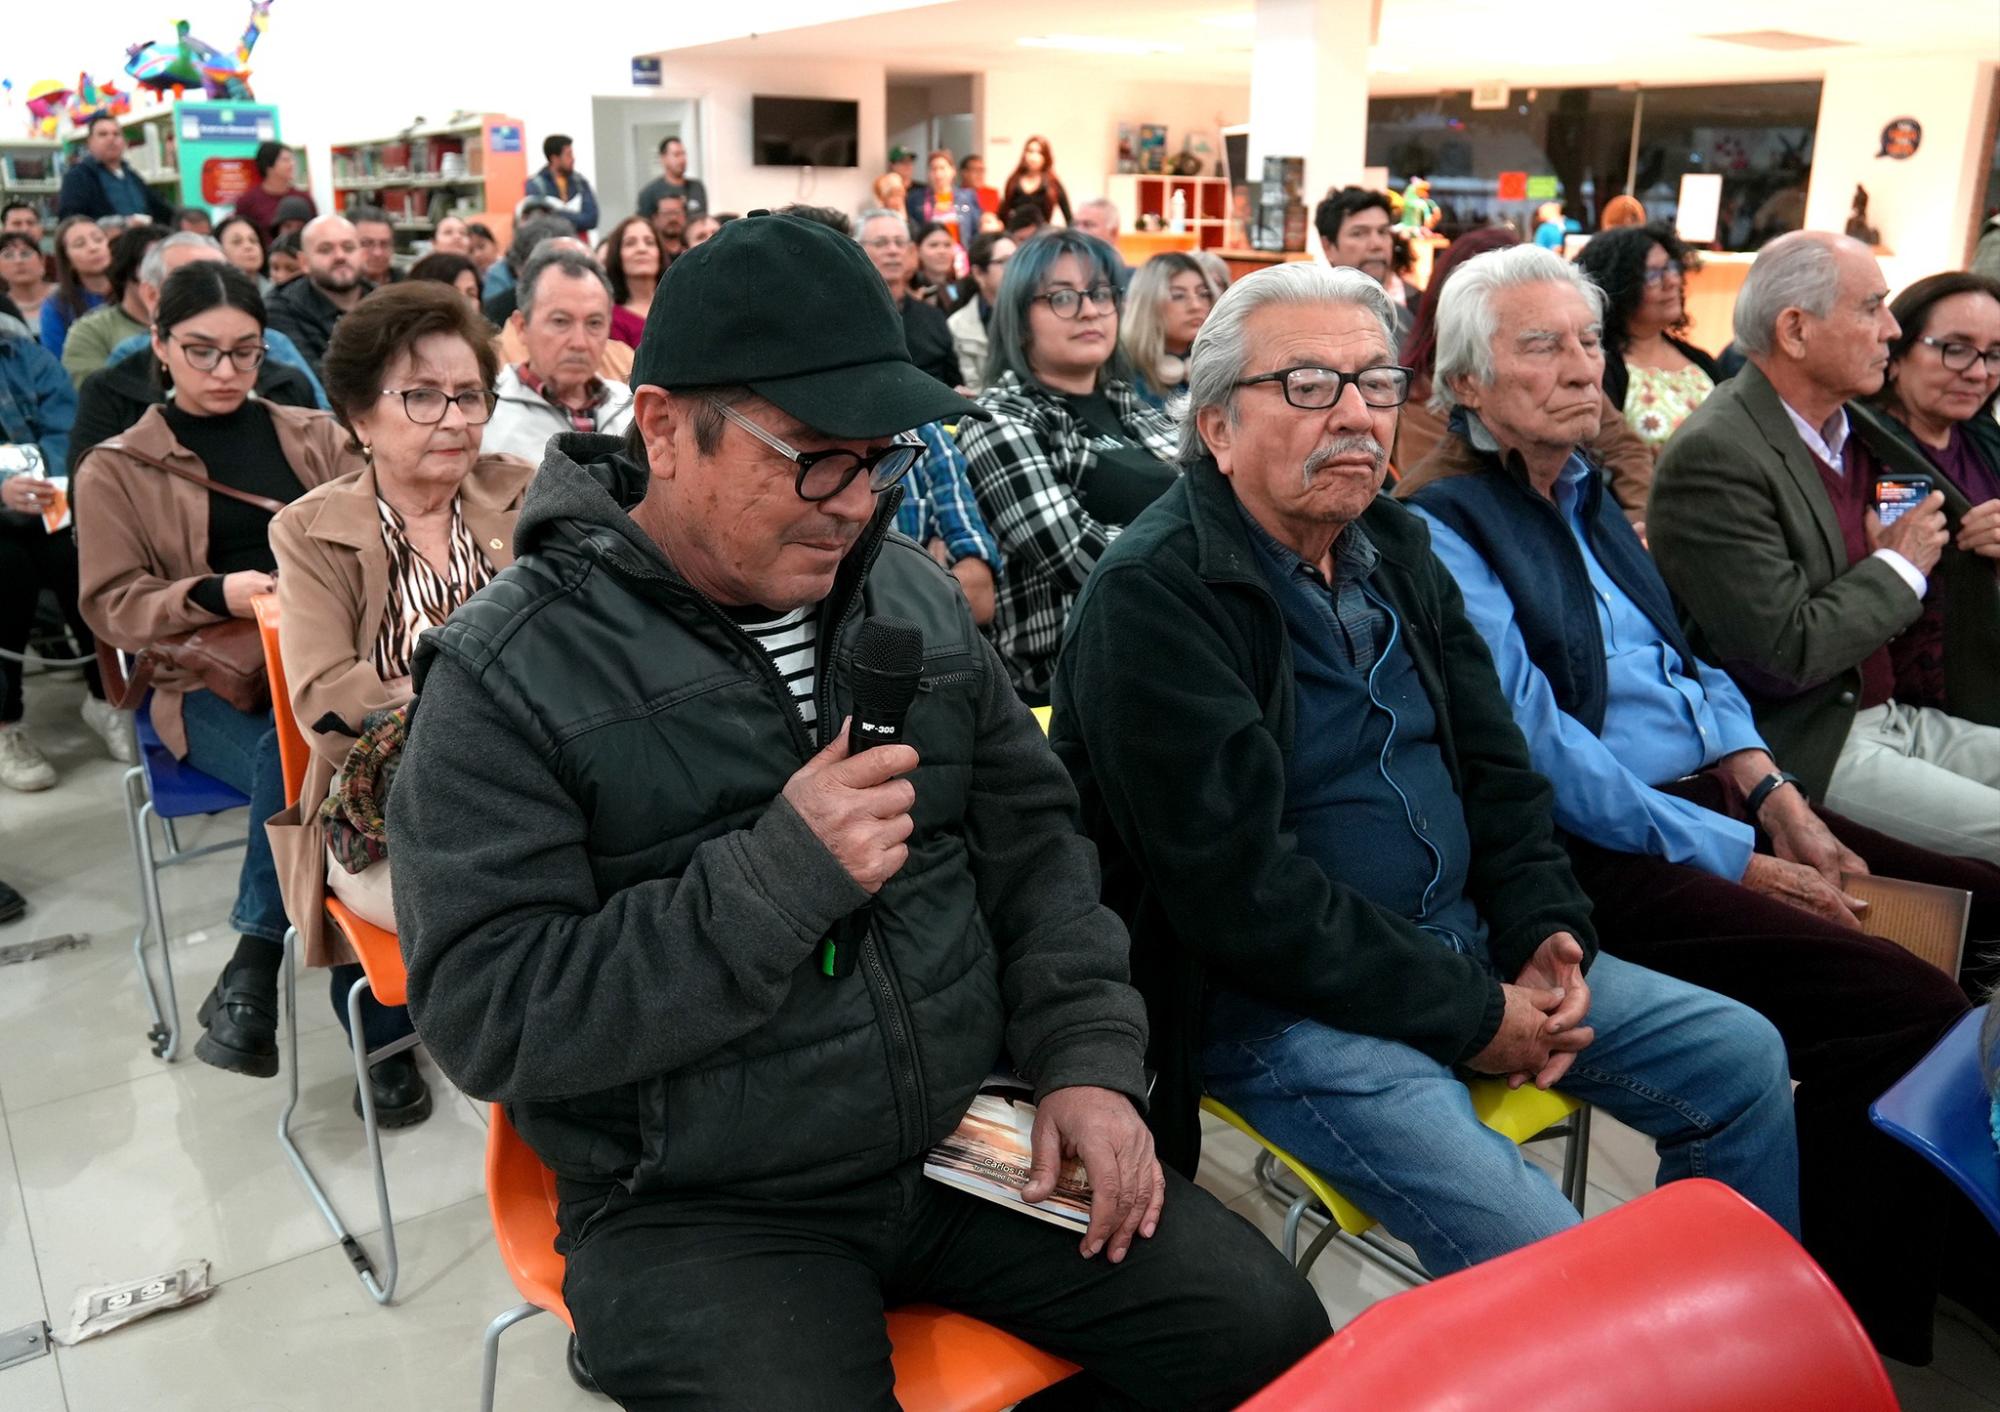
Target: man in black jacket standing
x=1318 y=816
x=628 y=820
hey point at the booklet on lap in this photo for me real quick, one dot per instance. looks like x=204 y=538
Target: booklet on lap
x=991 y=1151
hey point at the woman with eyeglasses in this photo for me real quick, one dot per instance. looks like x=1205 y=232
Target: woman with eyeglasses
x=173 y=531
x=1164 y=309
x=1071 y=455
x=1651 y=374
x=1937 y=399
x=366 y=565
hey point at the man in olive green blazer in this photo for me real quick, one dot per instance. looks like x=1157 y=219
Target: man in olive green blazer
x=1791 y=583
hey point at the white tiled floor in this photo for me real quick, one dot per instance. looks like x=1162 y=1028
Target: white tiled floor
x=114 y=1165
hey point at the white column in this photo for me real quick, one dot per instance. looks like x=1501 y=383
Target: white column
x=1309 y=88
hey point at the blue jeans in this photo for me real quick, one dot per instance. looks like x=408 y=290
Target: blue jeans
x=1394 y=1130
x=242 y=752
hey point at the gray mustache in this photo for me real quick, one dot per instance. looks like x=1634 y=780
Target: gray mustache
x=1360 y=442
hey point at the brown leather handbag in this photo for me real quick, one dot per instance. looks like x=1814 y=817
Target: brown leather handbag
x=227 y=657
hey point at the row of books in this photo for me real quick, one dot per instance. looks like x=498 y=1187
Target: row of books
x=419 y=156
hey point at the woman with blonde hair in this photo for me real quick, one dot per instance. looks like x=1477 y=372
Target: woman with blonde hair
x=1165 y=308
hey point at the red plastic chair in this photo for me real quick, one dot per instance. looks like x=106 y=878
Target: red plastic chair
x=944 y=1362
x=382 y=967
x=1688 y=1299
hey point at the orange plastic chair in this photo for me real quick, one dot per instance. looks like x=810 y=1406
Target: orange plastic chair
x=944 y=1362
x=382 y=971
x=1688 y=1299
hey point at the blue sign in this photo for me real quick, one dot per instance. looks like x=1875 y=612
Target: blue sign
x=646 y=73
x=503 y=137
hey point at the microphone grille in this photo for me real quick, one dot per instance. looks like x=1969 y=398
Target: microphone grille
x=888 y=661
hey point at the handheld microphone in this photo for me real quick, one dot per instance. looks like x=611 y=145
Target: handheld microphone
x=888 y=664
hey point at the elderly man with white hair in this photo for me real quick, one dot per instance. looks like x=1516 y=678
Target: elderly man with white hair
x=563 y=322
x=1320 y=823
x=1869 y=650
x=885 y=237
x=1699 y=859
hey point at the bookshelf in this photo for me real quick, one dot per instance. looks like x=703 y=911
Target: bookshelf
x=474 y=167
x=1137 y=196
x=150 y=150
x=31 y=170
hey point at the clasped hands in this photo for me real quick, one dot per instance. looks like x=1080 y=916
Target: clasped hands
x=1542 y=1028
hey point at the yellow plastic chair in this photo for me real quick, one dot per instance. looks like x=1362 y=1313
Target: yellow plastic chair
x=1521 y=1115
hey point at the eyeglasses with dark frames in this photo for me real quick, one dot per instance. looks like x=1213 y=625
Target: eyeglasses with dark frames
x=1316 y=389
x=1068 y=303
x=824 y=474
x=206 y=357
x=1959 y=357
x=1658 y=276
x=426 y=406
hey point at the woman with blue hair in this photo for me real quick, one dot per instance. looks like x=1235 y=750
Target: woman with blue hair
x=1072 y=453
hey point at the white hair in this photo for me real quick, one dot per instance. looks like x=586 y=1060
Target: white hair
x=1466 y=321
x=880 y=213
x=1795 y=271
x=153 y=268
x=1221 y=353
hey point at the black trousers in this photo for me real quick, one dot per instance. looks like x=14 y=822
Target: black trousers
x=714 y=1302
x=32 y=559
x=1856 y=1013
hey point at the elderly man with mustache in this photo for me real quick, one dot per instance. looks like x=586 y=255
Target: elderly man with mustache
x=1320 y=822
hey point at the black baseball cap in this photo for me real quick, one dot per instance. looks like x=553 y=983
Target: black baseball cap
x=794 y=311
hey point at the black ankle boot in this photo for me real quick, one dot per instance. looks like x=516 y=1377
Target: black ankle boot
x=240 y=1018
x=402 y=1098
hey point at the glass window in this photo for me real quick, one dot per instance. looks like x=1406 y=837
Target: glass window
x=1757 y=136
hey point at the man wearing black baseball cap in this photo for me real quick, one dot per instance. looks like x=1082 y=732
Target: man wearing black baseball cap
x=628 y=820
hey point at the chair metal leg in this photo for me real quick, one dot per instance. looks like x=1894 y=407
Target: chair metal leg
x=1576 y=1159
x=364 y=1060
x=165 y=1032
x=380 y=1290
x=489 y=1365
x=173 y=838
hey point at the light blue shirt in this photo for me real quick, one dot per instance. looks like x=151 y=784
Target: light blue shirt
x=1660 y=721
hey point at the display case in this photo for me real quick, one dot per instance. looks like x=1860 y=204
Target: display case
x=1139 y=196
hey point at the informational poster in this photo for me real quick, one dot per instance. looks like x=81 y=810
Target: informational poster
x=1701 y=205
x=1510 y=186
x=215 y=146
x=1542 y=188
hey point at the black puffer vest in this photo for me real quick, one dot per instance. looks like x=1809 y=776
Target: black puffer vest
x=669 y=727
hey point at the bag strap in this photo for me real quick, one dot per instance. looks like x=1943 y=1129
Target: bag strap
x=262 y=502
x=120 y=693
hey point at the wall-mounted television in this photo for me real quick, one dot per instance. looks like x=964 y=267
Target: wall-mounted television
x=805 y=132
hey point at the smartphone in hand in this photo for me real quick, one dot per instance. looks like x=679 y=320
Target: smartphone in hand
x=1896 y=496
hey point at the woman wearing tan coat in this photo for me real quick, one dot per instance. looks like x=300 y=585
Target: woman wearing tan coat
x=368 y=562
x=159 y=554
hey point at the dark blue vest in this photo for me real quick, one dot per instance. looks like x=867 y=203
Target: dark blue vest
x=1523 y=537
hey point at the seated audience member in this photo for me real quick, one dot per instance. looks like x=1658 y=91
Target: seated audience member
x=634 y=261
x=1621 y=211
x=306 y=309
x=988 y=259
x=944 y=202
x=1215 y=267
x=243 y=246
x=294 y=214
x=940 y=512
x=1164 y=309
x=377 y=236
x=24 y=277
x=563 y=322
x=629 y=955
x=481 y=245
x=370 y=562
x=453 y=236
x=890 y=191
x=83 y=279
x=1763 y=524
x=1622 y=459
x=18 y=217
x=1071 y=454
x=501 y=277
x=117 y=396
x=885 y=235
x=1701 y=859
x=1319 y=819
x=934 y=274
x=1652 y=375
x=92 y=337
x=1034 y=182
x=563 y=184
x=161 y=554
x=1099 y=217
x=1353 y=225
x=1025 y=222
x=1938 y=395
x=670 y=218
x=287 y=260
x=195 y=220
x=972 y=177
x=458 y=271
x=278 y=170
x=701 y=228
x=673 y=181
x=37 y=405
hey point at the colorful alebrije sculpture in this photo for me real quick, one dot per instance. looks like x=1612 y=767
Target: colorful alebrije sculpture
x=187 y=62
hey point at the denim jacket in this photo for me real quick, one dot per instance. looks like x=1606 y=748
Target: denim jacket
x=37 y=403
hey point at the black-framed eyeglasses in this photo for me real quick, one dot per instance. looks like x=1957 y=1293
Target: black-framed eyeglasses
x=824 y=474
x=426 y=406
x=1655 y=277
x=1068 y=303
x=1316 y=389
x=1959 y=357
x=206 y=357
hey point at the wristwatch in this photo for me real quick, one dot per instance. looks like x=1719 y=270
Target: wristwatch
x=1767 y=786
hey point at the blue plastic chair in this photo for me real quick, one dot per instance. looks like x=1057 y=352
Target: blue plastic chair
x=164 y=788
x=1942 y=1109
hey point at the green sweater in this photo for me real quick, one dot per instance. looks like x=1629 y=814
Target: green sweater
x=92 y=338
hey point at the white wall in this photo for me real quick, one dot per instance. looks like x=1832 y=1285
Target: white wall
x=1080 y=116
x=1925 y=206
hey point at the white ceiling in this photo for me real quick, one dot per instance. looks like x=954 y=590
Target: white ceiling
x=1424 y=44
